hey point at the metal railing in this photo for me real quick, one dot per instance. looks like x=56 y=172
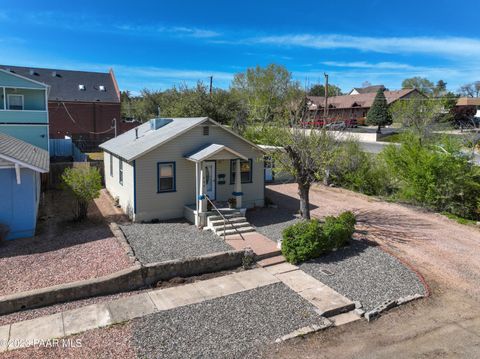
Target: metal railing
x=225 y=219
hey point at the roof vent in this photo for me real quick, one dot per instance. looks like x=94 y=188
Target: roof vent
x=156 y=123
x=81 y=87
x=32 y=72
x=102 y=88
x=54 y=73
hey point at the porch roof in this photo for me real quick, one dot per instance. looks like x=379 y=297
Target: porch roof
x=214 y=151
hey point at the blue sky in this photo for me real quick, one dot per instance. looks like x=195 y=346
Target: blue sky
x=157 y=44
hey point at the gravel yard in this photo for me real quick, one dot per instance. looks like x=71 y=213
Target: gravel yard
x=62 y=251
x=271 y=221
x=235 y=326
x=157 y=242
x=365 y=273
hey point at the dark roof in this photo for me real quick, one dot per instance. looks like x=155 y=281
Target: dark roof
x=64 y=84
x=21 y=152
x=361 y=100
x=368 y=89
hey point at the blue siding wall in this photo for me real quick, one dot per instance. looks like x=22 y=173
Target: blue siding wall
x=10 y=80
x=37 y=135
x=19 y=202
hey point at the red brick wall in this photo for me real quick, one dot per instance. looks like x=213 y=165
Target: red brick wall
x=87 y=118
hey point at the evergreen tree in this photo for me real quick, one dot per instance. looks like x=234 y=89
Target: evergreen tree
x=378 y=115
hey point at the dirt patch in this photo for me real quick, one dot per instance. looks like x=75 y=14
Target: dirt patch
x=444 y=252
x=62 y=251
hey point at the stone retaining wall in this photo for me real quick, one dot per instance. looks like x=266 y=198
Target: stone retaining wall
x=132 y=278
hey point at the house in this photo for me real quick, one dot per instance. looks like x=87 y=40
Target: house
x=347 y=107
x=166 y=168
x=367 y=89
x=82 y=105
x=20 y=166
x=23 y=109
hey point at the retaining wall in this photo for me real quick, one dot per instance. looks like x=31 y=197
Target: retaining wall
x=128 y=279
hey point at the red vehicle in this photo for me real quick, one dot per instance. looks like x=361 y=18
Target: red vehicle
x=350 y=123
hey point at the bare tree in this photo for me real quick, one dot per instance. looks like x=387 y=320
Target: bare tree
x=471 y=89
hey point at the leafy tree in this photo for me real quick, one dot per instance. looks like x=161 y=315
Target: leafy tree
x=471 y=89
x=266 y=92
x=378 y=115
x=418 y=114
x=85 y=184
x=306 y=154
x=319 y=90
x=422 y=84
x=440 y=88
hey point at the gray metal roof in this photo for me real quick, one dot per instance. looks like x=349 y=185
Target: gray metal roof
x=129 y=147
x=64 y=83
x=211 y=150
x=25 y=154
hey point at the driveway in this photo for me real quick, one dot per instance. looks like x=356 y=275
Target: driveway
x=447 y=254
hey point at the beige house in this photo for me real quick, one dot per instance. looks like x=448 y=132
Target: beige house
x=166 y=168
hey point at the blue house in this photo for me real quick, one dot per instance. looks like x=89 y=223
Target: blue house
x=23 y=152
x=24 y=108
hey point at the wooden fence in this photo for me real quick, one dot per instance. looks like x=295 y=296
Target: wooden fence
x=53 y=179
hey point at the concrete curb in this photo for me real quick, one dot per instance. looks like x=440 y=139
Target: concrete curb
x=389 y=304
x=135 y=277
x=120 y=236
x=305 y=331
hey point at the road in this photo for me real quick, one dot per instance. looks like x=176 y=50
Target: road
x=445 y=253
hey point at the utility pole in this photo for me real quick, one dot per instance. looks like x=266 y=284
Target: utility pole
x=211 y=85
x=115 y=125
x=325 y=109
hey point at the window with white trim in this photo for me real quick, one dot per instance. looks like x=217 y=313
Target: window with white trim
x=245 y=171
x=15 y=102
x=166 y=177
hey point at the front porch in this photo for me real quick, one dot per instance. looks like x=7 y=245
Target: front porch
x=212 y=163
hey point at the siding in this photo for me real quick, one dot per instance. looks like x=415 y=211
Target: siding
x=151 y=204
x=123 y=192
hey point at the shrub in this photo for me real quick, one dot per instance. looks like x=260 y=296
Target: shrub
x=302 y=241
x=310 y=239
x=85 y=184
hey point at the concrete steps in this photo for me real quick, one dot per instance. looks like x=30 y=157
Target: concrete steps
x=237 y=223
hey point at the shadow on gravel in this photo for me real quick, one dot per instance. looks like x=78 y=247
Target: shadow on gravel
x=354 y=248
x=285 y=201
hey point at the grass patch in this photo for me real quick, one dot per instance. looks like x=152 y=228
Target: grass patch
x=459 y=219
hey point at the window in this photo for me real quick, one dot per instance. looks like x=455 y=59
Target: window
x=166 y=177
x=111 y=165
x=245 y=171
x=120 y=171
x=15 y=102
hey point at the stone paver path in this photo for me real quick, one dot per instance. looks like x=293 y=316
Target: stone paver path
x=36 y=331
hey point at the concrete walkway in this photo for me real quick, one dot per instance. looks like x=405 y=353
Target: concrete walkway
x=42 y=329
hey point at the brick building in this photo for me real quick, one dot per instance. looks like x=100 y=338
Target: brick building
x=82 y=105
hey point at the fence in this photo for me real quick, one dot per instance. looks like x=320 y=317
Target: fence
x=53 y=179
x=66 y=148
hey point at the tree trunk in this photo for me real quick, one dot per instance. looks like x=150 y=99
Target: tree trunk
x=379 y=129
x=304 y=192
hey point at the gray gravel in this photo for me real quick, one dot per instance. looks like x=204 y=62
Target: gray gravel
x=271 y=221
x=156 y=242
x=234 y=326
x=365 y=273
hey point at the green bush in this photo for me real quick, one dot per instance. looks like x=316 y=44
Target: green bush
x=85 y=184
x=435 y=175
x=310 y=239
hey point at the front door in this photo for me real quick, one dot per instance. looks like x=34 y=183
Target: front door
x=209 y=178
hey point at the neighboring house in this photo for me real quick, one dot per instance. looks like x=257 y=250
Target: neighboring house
x=367 y=89
x=23 y=109
x=82 y=105
x=20 y=166
x=348 y=107
x=164 y=168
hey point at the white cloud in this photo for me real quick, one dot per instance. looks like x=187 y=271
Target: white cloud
x=368 y=65
x=448 y=46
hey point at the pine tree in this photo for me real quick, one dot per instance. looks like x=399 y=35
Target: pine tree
x=378 y=115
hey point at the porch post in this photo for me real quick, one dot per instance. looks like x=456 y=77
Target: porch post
x=238 y=184
x=197 y=193
x=202 y=199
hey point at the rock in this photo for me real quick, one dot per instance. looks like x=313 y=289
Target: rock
x=371 y=315
x=359 y=312
x=358 y=305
